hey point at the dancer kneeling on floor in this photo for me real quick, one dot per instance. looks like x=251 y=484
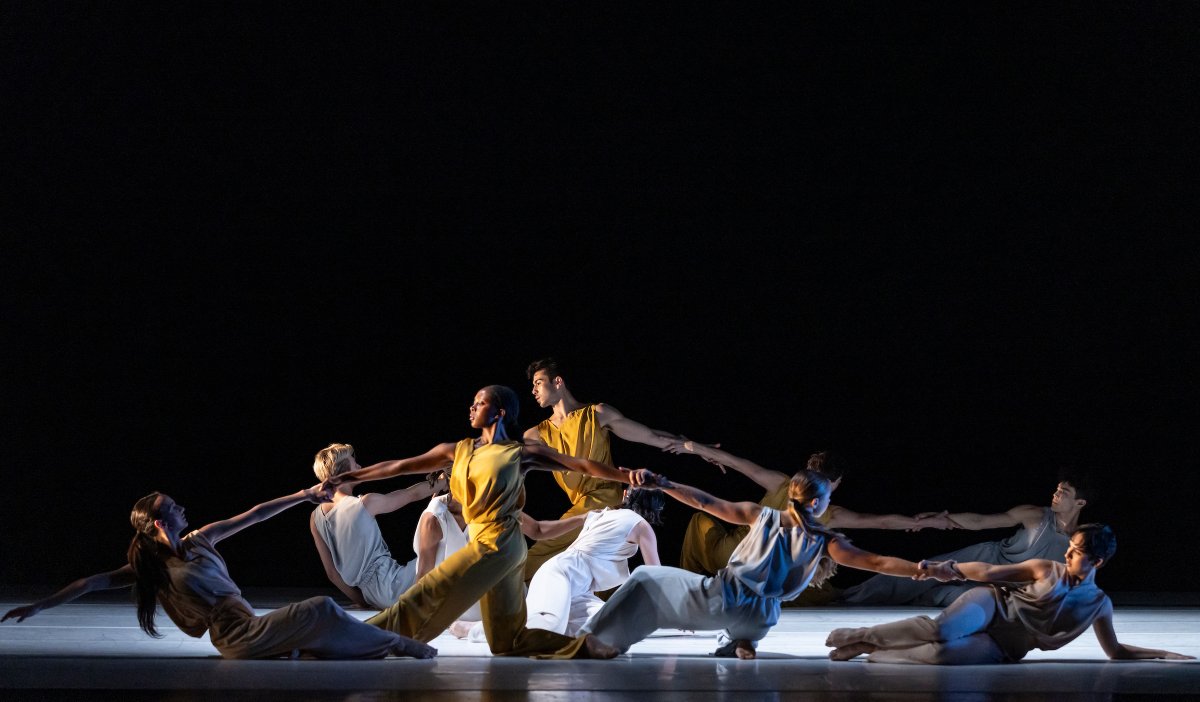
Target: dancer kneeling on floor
x=488 y=479
x=781 y=554
x=186 y=575
x=1000 y=624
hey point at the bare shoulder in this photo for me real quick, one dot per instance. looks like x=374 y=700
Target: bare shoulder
x=607 y=413
x=532 y=435
x=1029 y=515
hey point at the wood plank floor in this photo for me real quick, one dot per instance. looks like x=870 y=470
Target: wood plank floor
x=94 y=650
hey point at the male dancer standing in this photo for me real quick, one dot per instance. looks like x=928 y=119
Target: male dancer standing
x=580 y=430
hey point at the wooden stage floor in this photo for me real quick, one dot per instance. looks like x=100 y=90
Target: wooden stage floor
x=94 y=650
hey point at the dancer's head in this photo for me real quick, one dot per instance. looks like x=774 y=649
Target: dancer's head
x=150 y=516
x=808 y=498
x=549 y=381
x=647 y=503
x=1092 y=545
x=334 y=459
x=496 y=405
x=830 y=465
x=809 y=492
x=1069 y=494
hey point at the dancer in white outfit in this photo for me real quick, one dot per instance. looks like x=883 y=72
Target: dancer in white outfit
x=783 y=552
x=440 y=532
x=352 y=549
x=561 y=595
x=1055 y=605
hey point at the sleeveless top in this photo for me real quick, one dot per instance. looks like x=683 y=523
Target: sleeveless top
x=581 y=436
x=605 y=540
x=488 y=483
x=454 y=538
x=771 y=561
x=1045 y=614
x=360 y=554
x=199 y=582
x=1044 y=541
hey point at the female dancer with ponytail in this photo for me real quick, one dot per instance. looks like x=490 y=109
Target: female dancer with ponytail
x=783 y=551
x=189 y=578
x=488 y=479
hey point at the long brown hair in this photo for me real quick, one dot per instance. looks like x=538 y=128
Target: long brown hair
x=146 y=558
x=805 y=486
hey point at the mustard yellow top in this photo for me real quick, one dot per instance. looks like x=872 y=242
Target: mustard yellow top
x=487 y=481
x=777 y=499
x=581 y=436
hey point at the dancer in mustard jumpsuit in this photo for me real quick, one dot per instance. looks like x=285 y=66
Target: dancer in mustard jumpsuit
x=487 y=477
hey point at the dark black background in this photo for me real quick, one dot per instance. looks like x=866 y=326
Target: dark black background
x=955 y=246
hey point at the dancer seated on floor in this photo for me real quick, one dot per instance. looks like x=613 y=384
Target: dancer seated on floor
x=998 y=624
x=562 y=594
x=186 y=575
x=708 y=542
x=348 y=539
x=488 y=478
x=1044 y=533
x=783 y=552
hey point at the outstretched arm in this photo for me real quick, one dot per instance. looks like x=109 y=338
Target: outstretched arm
x=733 y=512
x=1027 y=515
x=550 y=528
x=842 y=518
x=766 y=478
x=542 y=456
x=1023 y=572
x=382 y=503
x=628 y=429
x=434 y=458
x=845 y=553
x=1107 y=636
x=331 y=572
x=643 y=535
x=113 y=579
x=225 y=528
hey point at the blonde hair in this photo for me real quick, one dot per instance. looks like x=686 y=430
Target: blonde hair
x=332 y=460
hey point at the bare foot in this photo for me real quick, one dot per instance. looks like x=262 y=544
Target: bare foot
x=845 y=653
x=740 y=648
x=412 y=648
x=461 y=629
x=598 y=649
x=843 y=637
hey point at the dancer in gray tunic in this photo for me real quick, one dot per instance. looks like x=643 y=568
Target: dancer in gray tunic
x=190 y=579
x=1055 y=604
x=781 y=554
x=1042 y=535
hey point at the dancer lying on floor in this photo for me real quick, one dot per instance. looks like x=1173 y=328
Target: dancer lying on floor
x=488 y=478
x=998 y=624
x=1044 y=533
x=562 y=594
x=783 y=552
x=186 y=575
